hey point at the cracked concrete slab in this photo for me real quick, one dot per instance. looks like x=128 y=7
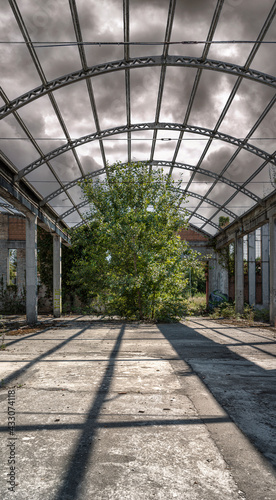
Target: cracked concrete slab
x=108 y=410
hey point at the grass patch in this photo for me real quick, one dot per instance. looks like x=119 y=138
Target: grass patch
x=226 y=310
x=197 y=305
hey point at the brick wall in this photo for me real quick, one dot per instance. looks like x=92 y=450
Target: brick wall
x=17 y=229
x=191 y=235
x=4 y=226
x=21 y=269
x=258 y=288
x=4 y=256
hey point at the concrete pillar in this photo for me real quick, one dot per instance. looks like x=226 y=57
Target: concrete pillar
x=218 y=275
x=31 y=268
x=4 y=266
x=56 y=275
x=252 y=268
x=239 y=275
x=272 y=260
x=265 y=265
x=21 y=270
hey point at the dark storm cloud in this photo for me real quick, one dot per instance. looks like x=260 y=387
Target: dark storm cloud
x=116 y=150
x=213 y=92
x=36 y=116
x=177 y=91
x=89 y=164
x=47 y=20
x=246 y=17
x=216 y=160
x=66 y=167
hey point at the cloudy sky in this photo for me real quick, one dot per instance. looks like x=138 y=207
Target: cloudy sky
x=38 y=45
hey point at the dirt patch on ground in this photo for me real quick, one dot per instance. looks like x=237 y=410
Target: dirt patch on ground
x=25 y=330
x=244 y=323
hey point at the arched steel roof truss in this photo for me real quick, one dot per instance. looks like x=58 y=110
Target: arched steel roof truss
x=87 y=73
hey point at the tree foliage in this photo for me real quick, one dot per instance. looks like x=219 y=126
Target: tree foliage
x=131 y=259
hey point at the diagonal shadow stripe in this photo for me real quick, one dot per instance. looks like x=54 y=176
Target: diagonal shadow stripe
x=124 y=423
x=36 y=360
x=85 y=444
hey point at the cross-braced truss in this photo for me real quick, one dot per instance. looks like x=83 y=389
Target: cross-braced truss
x=86 y=84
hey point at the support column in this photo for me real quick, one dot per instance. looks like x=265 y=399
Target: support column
x=252 y=268
x=21 y=270
x=272 y=261
x=239 y=275
x=265 y=265
x=56 y=275
x=31 y=268
x=218 y=275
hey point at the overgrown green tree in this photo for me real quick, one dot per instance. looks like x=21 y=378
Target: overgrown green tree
x=133 y=259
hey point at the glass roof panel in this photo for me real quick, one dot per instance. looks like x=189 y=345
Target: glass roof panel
x=242 y=167
x=219 y=153
x=141 y=145
x=208 y=228
x=116 y=148
x=183 y=174
x=192 y=20
x=15 y=143
x=246 y=23
x=43 y=180
x=221 y=192
x=76 y=111
x=191 y=149
x=165 y=144
x=240 y=204
x=250 y=100
x=66 y=167
x=76 y=193
x=201 y=184
x=110 y=96
x=177 y=90
x=58 y=61
x=41 y=120
x=144 y=84
x=61 y=203
x=206 y=211
x=265 y=58
x=47 y=145
x=94 y=18
x=265 y=135
x=72 y=219
x=17 y=66
x=213 y=91
x=262 y=184
x=90 y=157
x=147 y=23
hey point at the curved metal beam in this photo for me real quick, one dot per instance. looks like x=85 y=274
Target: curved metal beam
x=192 y=195
x=160 y=163
x=136 y=127
x=201 y=217
x=137 y=62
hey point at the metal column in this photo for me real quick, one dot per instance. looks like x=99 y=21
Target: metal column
x=252 y=268
x=272 y=260
x=56 y=275
x=265 y=265
x=31 y=268
x=239 y=275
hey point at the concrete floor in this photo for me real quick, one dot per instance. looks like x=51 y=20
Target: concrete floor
x=107 y=410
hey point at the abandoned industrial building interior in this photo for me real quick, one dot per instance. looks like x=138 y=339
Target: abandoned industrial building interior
x=187 y=88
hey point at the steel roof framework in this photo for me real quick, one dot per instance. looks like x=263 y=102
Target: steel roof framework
x=130 y=131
